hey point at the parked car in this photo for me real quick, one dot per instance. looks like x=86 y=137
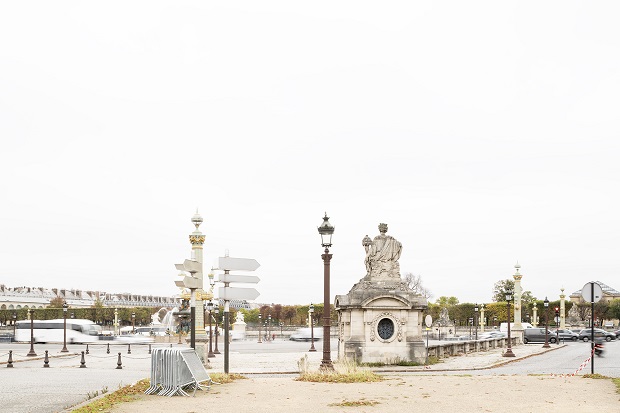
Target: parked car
x=586 y=334
x=617 y=333
x=532 y=335
x=566 y=335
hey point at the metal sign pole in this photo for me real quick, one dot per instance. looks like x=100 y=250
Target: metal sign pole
x=592 y=326
x=226 y=315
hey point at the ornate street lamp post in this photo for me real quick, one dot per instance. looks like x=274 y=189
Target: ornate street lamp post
x=14 y=321
x=326 y=230
x=476 y=319
x=260 y=320
x=310 y=312
x=209 y=308
x=546 y=304
x=64 y=314
x=508 y=352
x=133 y=323
x=31 y=352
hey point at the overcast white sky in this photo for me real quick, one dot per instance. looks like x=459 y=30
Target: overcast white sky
x=482 y=133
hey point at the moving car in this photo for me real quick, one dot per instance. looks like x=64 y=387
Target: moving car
x=586 y=334
x=566 y=335
x=491 y=335
x=304 y=334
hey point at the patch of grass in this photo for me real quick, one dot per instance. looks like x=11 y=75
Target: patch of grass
x=343 y=372
x=617 y=383
x=595 y=376
x=355 y=403
x=223 y=378
x=400 y=362
x=122 y=395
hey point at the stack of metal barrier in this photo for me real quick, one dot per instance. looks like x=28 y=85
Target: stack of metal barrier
x=175 y=370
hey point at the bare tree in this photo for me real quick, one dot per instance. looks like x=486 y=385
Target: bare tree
x=414 y=282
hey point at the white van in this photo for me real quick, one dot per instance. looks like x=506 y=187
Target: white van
x=503 y=327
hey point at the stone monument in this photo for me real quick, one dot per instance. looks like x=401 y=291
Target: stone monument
x=238 y=327
x=380 y=319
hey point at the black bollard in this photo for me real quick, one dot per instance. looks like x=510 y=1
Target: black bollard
x=83 y=362
x=149 y=349
x=10 y=363
x=170 y=345
x=46 y=360
x=128 y=348
x=87 y=352
x=108 y=348
x=119 y=363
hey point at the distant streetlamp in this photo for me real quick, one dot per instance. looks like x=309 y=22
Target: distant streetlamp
x=209 y=305
x=508 y=352
x=494 y=321
x=217 y=323
x=310 y=312
x=72 y=315
x=281 y=325
x=64 y=315
x=326 y=230
x=476 y=319
x=31 y=352
x=260 y=320
x=14 y=321
x=269 y=327
x=133 y=323
x=546 y=304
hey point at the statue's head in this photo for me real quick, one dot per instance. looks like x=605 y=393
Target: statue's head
x=382 y=228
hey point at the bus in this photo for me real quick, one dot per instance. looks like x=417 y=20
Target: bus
x=52 y=331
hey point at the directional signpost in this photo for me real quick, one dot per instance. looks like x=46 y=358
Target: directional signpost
x=228 y=293
x=193 y=283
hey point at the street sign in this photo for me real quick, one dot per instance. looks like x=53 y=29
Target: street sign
x=238 y=264
x=192 y=282
x=189 y=266
x=428 y=320
x=233 y=278
x=236 y=293
x=586 y=293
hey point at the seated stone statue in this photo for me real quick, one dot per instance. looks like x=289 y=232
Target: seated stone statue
x=382 y=254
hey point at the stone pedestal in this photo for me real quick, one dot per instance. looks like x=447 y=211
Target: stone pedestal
x=380 y=320
x=238 y=329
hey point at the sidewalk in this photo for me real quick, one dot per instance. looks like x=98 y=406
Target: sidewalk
x=286 y=363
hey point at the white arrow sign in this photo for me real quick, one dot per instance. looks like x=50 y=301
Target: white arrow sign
x=233 y=278
x=238 y=264
x=234 y=293
x=189 y=266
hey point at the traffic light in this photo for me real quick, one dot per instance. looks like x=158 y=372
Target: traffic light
x=557 y=312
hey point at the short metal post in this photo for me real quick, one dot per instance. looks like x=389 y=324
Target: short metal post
x=108 y=351
x=149 y=349
x=128 y=348
x=10 y=362
x=83 y=362
x=87 y=352
x=46 y=360
x=119 y=363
